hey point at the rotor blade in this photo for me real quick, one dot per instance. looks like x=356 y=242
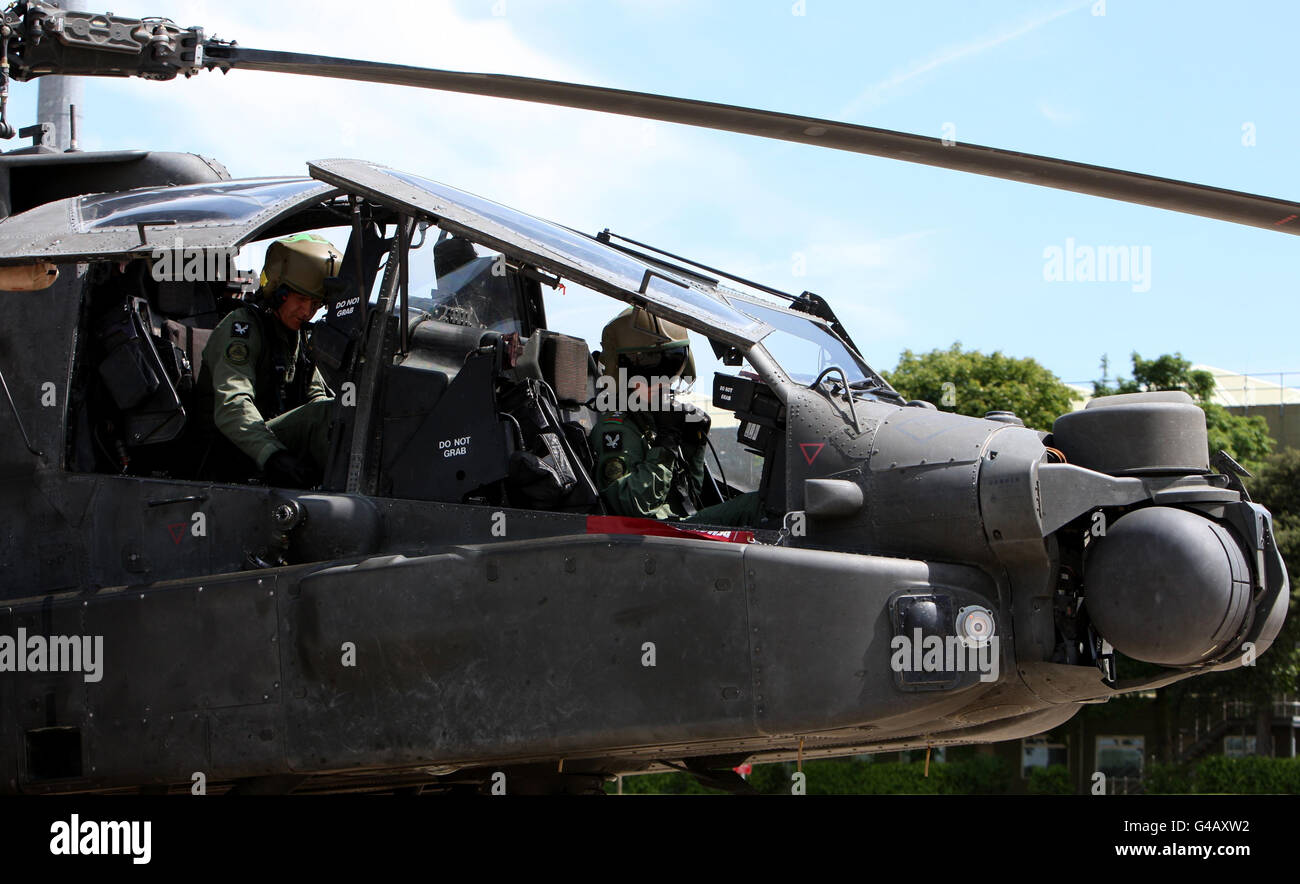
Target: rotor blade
x=1132 y=187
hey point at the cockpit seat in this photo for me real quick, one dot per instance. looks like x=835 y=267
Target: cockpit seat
x=565 y=364
x=189 y=340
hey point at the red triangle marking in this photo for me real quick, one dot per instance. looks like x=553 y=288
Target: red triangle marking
x=177 y=531
x=816 y=448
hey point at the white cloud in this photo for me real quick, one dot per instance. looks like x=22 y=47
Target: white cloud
x=1057 y=114
x=572 y=165
x=880 y=92
x=649 y=180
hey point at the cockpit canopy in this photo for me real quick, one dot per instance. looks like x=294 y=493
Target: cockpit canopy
x=224 y=216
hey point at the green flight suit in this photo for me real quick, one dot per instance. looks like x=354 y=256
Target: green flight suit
x=242 y=372
x=636 y=477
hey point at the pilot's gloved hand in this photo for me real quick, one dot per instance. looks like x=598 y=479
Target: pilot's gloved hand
x=283 y=470
x=663 y=453
x=695 y=426
x=667 y=437
x=687 y=422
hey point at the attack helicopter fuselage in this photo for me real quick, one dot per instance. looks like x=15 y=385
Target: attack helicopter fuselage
x=431 y=615
x=417 y=620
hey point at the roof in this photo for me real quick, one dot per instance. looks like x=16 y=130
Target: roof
x=1232 y=389
x=1235 y=390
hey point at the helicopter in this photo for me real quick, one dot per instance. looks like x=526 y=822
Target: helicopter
x=414 y=622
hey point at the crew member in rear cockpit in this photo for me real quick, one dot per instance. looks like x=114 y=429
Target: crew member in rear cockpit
x=650 y=453
x=267 y=397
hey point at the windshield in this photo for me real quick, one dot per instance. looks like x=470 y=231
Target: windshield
x=233 y=202
x=803 y=348
x=473 y=296
x=548 y=246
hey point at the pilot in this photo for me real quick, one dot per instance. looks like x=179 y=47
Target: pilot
x=650 y=454
x=268 y=399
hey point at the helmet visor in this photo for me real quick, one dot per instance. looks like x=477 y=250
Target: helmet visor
x=667 y=361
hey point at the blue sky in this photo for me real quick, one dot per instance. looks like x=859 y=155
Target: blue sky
x=909 y=256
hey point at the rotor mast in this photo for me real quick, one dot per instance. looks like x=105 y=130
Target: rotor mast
x=59 y=100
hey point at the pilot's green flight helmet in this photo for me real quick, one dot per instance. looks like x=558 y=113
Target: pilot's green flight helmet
x=301 y=263
x=646 y=346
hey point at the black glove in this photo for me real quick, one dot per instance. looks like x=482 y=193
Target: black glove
x=688 y=423
x=663 y=453
x=283 y=470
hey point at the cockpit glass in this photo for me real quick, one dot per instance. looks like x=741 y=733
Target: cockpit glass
x=550 y=247
x=473 y=296
x=803 y=348
x=232 y=203
x=576 y=251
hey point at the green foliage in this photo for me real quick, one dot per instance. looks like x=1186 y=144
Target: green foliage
x=1248 y=776
x=836 y=777
x=1162 y=373
x=1245 y=438
x=663 y=784
x=982 y=383
x=1277 y=486
x=771 y=779
x=979 y=775
x=1277 y=671
x=1167 y=779
x=1054 y=780
x=986 y=775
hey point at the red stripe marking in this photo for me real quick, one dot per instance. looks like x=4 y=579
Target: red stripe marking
x=652 y=528
x=1284 y=220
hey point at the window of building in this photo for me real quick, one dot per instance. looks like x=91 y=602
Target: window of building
x=1238 y=746
x=1120 y=756
x=1041 y=752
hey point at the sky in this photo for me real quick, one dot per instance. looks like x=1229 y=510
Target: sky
x=910 y=257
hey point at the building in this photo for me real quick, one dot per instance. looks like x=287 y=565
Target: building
x=1266 y=395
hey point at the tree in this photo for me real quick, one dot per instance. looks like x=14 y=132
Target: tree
x=1277 y=671
x=1245 y=438
x=1277 y=487
x=972 y=383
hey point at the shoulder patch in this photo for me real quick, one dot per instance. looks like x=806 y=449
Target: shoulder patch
x=614 y=469
x=237 y=352
x=240 y=328
x=611 y=440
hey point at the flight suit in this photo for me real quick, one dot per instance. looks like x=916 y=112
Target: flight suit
x=267 y=396
x=636 y=477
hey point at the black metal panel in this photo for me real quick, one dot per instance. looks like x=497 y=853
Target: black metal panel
x=246 y=741
x=36 y=338
x=460 y=444
x=143 y=530
x=34 y=179
x=524 y=647
x=821 y=631
x=189 y=681
x=187 y=647
x=36 y=700
x=151 y=748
